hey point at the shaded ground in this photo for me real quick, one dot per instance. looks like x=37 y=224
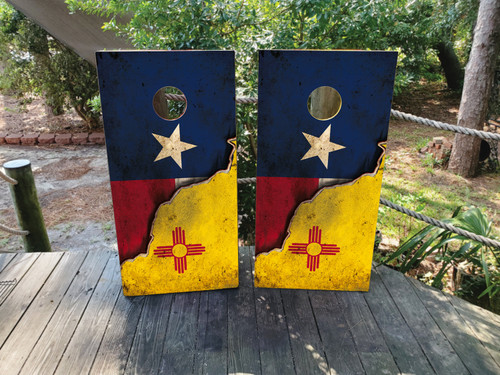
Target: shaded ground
x=74 y=193
x=36 y=117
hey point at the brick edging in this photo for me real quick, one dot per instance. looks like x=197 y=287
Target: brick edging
x=52 y=138
x=439 y=147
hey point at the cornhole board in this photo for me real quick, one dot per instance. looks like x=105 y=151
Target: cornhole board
x=173 y=180
x=319 y=177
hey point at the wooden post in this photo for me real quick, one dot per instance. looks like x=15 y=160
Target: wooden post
x=29 y=213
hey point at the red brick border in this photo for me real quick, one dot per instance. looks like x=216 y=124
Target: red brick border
x=48 y=138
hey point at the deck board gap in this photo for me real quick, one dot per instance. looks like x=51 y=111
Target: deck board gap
x=318 y=330
x=135 y=332
x=287 y=325
x=104 y=333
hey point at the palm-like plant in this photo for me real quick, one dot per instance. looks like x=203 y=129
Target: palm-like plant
x=450 y=249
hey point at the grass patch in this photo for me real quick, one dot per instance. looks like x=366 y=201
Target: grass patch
x=421 y=184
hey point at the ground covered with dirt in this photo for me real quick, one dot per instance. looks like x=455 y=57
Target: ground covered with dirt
x=34 y=116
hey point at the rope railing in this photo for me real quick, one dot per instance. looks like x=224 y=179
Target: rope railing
x=10 y=180
x=429 y=220
x=16 y=232
x=445 y=126
x=440 y=224
x=394 y=113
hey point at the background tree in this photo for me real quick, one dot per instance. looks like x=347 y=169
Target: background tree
x=479 y=75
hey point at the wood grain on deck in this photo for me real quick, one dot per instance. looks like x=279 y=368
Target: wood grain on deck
x=66 y=314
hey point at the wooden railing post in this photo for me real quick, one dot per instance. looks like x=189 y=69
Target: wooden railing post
x=29 y=213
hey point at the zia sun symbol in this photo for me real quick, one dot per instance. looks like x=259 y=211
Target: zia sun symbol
x=314 y=248
x=179 y=250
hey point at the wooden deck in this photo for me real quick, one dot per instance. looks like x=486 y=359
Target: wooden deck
x=64 y=313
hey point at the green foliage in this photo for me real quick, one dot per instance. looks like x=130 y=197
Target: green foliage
x=410 y=27
x=413 y=28
x=453 y=250
x=35 y=63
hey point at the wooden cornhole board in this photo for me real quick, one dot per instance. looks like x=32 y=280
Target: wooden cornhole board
x=172 y=167
x=322 y=125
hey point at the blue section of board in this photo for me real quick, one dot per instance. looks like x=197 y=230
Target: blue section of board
x=128 y=81
x=365 y=81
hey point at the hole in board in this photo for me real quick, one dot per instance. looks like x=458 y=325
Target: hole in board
x=324 y=103
x=170 y=103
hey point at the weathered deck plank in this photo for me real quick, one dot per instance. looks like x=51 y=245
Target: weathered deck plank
x=83 y=346
x=54 y=340
x=115 y=347
x=340 y=350
x=243 y=341
x=5 y=259
x=182 y=331
x=470 y=350
x=400 y=326
x=29 y=283
x=436 y=347
x=145 y=353
x=19 y=346
x=398 y=336
x=370 y=344
x=274 y=341
x=212 y=342
x=307 y=348
x=482 y=322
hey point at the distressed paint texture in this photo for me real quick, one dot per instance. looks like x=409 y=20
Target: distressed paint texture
x=310 y=234
x=191 y=242
x=356 y=203
x=208 y=215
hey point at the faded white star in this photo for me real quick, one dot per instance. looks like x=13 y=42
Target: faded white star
x=321 y=146
x=172 y=146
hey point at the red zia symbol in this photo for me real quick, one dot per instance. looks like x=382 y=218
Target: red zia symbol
x=179 y=250
x=314 y=248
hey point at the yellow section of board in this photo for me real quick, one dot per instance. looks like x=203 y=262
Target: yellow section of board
x=346 y=215
x=204 y=217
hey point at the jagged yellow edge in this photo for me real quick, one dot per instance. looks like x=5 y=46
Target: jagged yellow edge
x=208 y=213
x=347 y=215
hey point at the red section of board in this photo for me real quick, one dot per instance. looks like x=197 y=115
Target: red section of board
x=277 y=199
x=135 y=204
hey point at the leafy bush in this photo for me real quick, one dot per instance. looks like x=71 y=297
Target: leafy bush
x=35 y=63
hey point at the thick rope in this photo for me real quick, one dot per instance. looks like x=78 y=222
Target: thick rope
x=394 y=113
x=247 y=180
x=10 y=180
x=246 y=100
x=239 y=100
x=416 y=215
x=14 y=231
x=445 y=126
x=429 y=220
x=175 y=97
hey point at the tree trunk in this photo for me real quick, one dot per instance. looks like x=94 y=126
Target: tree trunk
x=449 y=62
x=479 y=72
